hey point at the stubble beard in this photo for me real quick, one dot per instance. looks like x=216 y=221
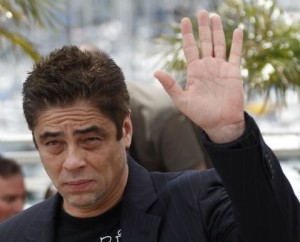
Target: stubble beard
x=84 y=201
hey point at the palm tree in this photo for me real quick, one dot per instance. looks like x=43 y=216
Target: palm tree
x=15 y=16
x=271 y=58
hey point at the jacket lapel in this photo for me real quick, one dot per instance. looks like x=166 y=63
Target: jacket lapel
x=42 y=228
x=139 y=226
x=136 y=223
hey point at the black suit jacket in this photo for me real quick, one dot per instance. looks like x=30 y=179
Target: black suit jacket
x=257 y=205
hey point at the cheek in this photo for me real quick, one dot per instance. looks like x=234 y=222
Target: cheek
x=3 y=214
x=119 y=161
x=51 y=165
x=111 y=162
x=4 y=210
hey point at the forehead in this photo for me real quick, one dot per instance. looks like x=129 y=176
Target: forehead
x=78 y=115
x=79 y=112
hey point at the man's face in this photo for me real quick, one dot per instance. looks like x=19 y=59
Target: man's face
x=83 y=158
x=12 y=196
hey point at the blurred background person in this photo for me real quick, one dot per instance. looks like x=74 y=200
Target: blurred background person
x=12 y=188
x=163 y=138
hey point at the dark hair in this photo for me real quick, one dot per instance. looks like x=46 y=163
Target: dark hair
x=9 y=167
x=68 y=75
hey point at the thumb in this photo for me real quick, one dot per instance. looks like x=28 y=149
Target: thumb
x=169 y=84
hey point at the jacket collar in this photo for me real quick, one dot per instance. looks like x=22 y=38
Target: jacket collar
x=136 y=222
x=139 y=189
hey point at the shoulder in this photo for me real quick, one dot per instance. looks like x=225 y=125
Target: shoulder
x=197 y=184
x=23 y=217
x=194 y=194
x=23 y=220
x=148 y=96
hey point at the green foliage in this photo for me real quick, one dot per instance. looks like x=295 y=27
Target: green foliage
x=271 y=47
x=271 y=51
x=18 y=15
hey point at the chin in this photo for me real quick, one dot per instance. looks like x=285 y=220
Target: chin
x=83 y=201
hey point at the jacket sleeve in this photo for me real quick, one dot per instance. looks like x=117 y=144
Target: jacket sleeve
x=264 y=204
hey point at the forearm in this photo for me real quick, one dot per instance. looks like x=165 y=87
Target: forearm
x=264 y=204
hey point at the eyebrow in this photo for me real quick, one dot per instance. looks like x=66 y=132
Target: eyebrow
x=49 y=134
x=92 y=129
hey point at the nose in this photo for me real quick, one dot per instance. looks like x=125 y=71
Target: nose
x=74 y=160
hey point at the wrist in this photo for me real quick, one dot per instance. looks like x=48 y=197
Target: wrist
x=249 y=138
x=228 y=133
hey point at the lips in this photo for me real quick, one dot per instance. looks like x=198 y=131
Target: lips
x=78 y=185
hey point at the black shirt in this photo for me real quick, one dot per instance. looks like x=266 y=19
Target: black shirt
x=104 y=228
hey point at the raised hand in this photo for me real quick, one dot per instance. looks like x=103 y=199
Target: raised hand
x=213 y=97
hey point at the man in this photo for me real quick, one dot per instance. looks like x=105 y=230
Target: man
x=77 y=106
x=12 y=188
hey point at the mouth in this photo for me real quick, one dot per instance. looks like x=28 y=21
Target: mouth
x=78 y=185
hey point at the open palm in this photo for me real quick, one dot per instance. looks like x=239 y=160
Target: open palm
x=213 y=97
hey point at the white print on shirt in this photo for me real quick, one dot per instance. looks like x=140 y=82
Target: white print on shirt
x=110 y=238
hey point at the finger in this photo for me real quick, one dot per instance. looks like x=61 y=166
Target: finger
x=236 y=47
x=205 y=35
x=188 y=40
x=219 y=44
x=169 y=84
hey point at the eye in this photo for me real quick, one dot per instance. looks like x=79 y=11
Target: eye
x=92 y=139
x=52 y=143
x=9 y=199
x=54 y=146
x=92 y=142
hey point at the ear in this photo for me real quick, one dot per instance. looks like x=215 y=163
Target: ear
x=127 y=131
